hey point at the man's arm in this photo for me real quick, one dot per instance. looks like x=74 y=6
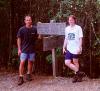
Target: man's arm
x=19 y=45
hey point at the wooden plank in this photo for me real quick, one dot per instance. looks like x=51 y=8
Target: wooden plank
x=51 y=28
x=54 y=63
x=52 y=42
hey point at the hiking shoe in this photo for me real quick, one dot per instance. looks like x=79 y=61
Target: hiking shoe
x=80 y=76
x=79 y=79
x=20 y=81
x=75 y=78
x=28 y=77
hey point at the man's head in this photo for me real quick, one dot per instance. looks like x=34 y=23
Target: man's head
x=28 y=20
x=72 y=19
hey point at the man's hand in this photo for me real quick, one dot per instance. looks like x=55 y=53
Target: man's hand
x=64 y=50
x=19 y=52
x=39 y=36
x=19 y=46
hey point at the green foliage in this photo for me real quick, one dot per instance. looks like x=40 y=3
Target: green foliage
x=58 y=52
x=14 y=62
x=14 y=51
x=87 y=11
x=49 y=58
x=3 y=3
x=96 y=46
x=53 y=2
x=66 y=7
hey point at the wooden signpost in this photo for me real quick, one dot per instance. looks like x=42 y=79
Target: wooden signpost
x=51 y=28
x=54 y=40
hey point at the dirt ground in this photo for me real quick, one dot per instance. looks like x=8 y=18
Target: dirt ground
x=8 y=82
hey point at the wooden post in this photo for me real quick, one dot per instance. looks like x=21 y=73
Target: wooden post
x=50 y=43
x=54 y=63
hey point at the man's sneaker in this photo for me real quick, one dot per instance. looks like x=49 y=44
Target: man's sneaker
x=28 y=77
x=75 y=78
x=20 y=81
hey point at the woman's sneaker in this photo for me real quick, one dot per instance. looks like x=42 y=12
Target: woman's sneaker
x=80 y=76
x=75 y=78
x=20 y=81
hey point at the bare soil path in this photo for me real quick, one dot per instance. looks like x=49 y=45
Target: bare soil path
x=8 y=82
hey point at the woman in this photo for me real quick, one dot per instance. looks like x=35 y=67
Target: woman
x=72 y=47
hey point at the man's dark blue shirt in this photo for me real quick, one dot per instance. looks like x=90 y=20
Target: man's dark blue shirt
x=28 y=37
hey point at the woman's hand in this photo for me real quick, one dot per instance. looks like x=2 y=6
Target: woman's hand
x=19 y=52
x=80 y=50
x=64 y=50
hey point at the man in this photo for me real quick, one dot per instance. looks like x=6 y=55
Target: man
x=26 y=38
x=73 y=47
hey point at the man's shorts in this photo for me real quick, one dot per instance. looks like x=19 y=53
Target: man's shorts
x=27 y=56
x=70 y=56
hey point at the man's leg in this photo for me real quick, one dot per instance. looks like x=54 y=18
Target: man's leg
x=31 y=59
x=23 y=57
x=30 y=66
x=21 y=68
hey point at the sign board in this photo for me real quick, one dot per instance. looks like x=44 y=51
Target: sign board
x=51 y=28
x=52 y=42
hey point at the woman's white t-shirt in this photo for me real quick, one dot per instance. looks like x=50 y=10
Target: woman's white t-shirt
x=72 y=35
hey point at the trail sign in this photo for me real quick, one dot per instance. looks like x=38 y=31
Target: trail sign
x=51 y=42
x=51 y=28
